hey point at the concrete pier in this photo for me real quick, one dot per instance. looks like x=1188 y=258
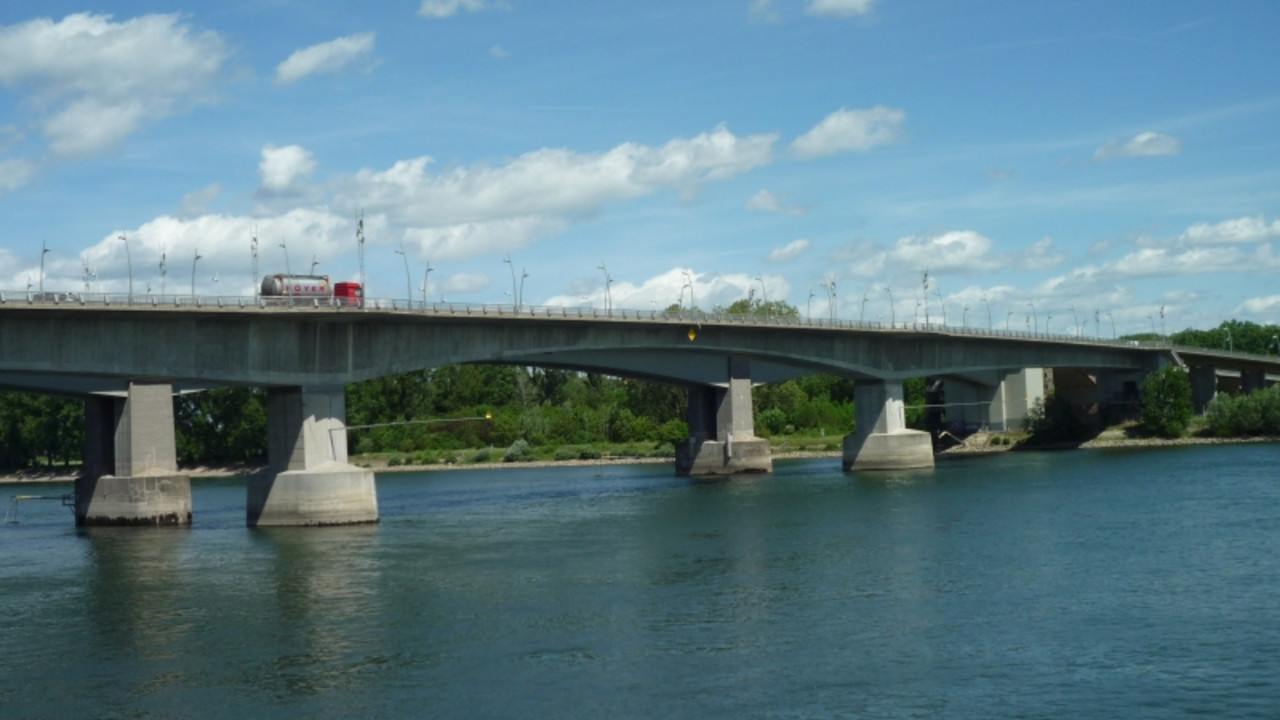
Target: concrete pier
x=308 y=480
x=883 y=441
x=130 y=474
x=722 y=437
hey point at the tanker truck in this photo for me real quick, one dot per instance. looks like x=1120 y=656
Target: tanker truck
x=312 y=287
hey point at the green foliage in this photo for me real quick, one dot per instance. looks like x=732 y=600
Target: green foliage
x=223 y=425
x=39 y=427
x=480 y=456
x=1054 y=420
x=1165 y=402
x=566 y=453
x=518 y=452
x=1254 y=414
x=1238 y=335
x=588 y=452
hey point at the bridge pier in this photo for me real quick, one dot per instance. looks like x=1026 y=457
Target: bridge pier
x=130 y=473
x=882 y=440
x=308 y=480
x=1204 y=387
x=722 y=437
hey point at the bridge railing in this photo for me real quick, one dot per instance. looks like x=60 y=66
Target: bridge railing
x=692 y=317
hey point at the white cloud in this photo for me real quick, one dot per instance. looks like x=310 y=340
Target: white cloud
x=790 y=251
x=196 y=203
x=708 y=290
x=1147 y=144
x=283 y=168
x=467 y=283
x=14 y=173
x=498 y=52
x=96 y=81
x=858 y=130
x=1039 y=256
x=765 y=201
x=1241 y=230
x=762 y=11
x=838 y=8
x=464 y=240
x=328 y=57
x=1260 y=305
x=440 y=9
x=552 y=181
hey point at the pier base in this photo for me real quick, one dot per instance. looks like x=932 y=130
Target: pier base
x=308 y=480
x=130 y=474
x=722 y=437
x=883 y=441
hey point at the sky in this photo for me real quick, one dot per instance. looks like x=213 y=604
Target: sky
x=1075 y=166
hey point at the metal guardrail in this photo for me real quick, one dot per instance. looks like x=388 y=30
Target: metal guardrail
x=452 y=309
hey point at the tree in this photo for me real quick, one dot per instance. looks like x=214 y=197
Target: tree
x=1165 y=402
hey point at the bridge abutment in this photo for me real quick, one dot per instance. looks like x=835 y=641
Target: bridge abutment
x=882 y=440
x=130 y=473
x=722 y=437
x=308 y=480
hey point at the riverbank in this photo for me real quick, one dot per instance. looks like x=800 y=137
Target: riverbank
x=978 y=443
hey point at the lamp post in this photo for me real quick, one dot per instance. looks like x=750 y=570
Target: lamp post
x=288 y=273
x=764 y=293
x=314 y=263
x=128 y=259
x=425 y=278
x=1006 y=320
x=893 y=312
x=1032 y=305
x=688 y=281
x=1047 y=321
x=863 y=312
x=808 y=310
x=942 y=303
x=193 y=273
x=987 y=302
x=916 y=318
x=44 y=250
x=520 y=298
x=608 y=298
x=1230 y=345
x=253 y=250
x=1113 y=324
x=162 y=272
x=964 y=317
x=515 y=298
x=408 y=284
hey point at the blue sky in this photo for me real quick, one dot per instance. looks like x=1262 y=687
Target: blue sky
x=1053 y=163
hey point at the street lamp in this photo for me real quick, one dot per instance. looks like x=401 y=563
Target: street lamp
x=688 y=281
x=253 y=250
x=288 y=273
x=425 y=278
x=863 y=312
x=764 y=293
x=408 y=284
x=193 y=273
x=1230 y=346
x=943 y=303
x=1113 y=324
x=916 y=319
x=893 y=313
x=987 y=302
x=44 y=250
x=128 y=259
x=523 y=274
x=515 y=298
x=1047 y=321
x=1006 y=320
x=163 y=272
x=608 y=298
x=1032 y=305
x=964 y=318
x=808 y=310
x=314 y=263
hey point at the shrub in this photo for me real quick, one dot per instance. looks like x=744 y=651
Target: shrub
x=479 y=456
x=518 y=452
x=664 y=450
x=566 y=453
x=588 y=452
x=1165 y=402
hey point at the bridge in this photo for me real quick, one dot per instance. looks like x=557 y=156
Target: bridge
x=128 y=356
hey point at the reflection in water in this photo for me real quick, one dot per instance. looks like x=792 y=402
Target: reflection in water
x=136 y=595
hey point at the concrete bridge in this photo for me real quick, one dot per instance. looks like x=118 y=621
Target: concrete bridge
x=129 y=358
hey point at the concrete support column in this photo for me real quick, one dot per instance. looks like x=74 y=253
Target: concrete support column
x=1252 y=380
x=882 y=440
x=1204 y=387
x=722 y=437
x=308 y=480
x=130 y=474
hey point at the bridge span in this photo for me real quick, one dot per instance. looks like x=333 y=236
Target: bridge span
x=128 y=359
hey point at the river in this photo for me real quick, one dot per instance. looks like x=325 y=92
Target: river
x=1111 y=583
